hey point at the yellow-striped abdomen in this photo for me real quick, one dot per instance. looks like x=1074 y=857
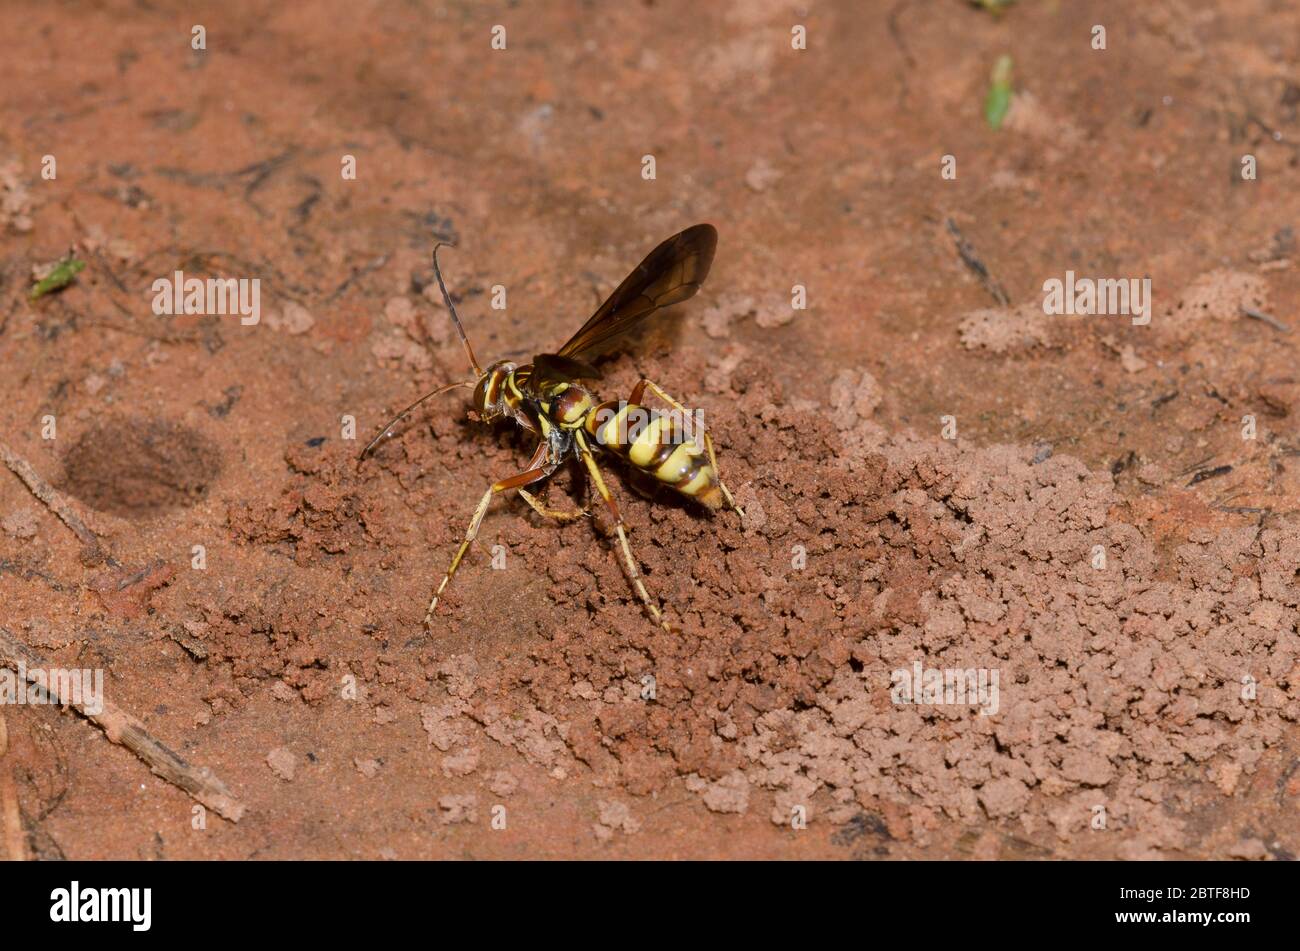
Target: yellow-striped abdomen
x=658 y=444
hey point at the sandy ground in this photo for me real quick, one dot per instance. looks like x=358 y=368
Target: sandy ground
x=935 y=473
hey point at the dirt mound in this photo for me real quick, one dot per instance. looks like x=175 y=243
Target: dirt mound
x=821 y=639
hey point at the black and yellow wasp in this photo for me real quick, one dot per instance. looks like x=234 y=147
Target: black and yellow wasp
x=546 y=398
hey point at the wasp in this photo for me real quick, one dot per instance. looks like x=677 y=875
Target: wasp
x=548 y=399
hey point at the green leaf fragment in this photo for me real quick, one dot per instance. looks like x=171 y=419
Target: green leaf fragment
x=998 y=100
x=60 y=277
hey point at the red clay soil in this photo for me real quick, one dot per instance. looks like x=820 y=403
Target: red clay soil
x=1097 y=524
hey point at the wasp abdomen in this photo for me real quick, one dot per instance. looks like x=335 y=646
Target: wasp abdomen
x=661 y=444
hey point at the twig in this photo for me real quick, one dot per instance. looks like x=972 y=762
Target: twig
x=125 y=730
x=11 y=818
x=359 y=272
x=56 y=502
x=968 y=257
x=1209 y=474
x=1194 y=466
x=1266 y=318
x=896 y=33
x=261 y=171
x=28 y=573
x=173 y=337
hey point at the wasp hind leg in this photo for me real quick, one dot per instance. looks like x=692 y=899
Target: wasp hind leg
x=629 y=563
x=534 y=474
x=638 y=392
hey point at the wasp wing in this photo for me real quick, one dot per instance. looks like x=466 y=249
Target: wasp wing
x=551 y=369
x=669 y=275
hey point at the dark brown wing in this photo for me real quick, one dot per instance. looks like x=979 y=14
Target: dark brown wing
x=550 y=369
x=669 y=275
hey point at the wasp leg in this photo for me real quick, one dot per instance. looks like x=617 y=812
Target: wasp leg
x=559 y=515
x=533 y=474
x=639 y=390
x=634 y=574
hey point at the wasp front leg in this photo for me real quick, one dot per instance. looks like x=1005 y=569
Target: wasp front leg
x=633 y=573
x=638 y=393
x=534 y=473
x=559 y=515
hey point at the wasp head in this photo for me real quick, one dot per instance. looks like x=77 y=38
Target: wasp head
x=489 y=393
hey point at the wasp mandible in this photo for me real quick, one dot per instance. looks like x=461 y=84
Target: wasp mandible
x=547 y=398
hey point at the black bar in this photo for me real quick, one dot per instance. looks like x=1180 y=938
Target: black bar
x=942 y=900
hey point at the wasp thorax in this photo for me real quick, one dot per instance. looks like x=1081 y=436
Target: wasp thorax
x=489 y=394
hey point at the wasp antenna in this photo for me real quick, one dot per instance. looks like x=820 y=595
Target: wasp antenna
x=384 y=432
x=451 y=308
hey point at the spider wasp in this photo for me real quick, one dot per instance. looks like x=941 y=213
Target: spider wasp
x=547 y=398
